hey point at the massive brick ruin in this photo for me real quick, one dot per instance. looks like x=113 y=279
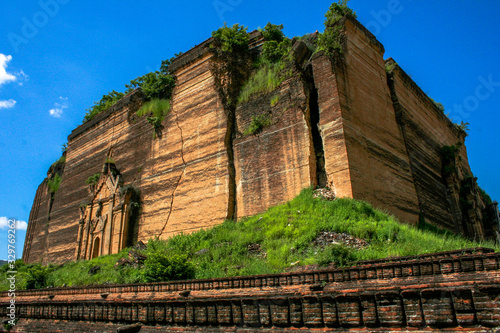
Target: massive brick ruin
x=351 y=125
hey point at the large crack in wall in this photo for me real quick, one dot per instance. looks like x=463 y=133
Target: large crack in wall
x=230 y=75
x=316 y=135
x=312 y=117
x=178 y=180
x=228 y=142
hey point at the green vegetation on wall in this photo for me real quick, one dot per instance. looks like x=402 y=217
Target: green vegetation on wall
x=230 y=47
x=332 y=39
x=438 y=105
x=448 y=158
x=266 y=79
x=157 y=108
x=230 y=66
x=257 y=124
x=155 y=85
x=231 y=63
x=156 y=111
x=55 y=175
x=389 y=67
x=103 y=104
x=311 y=41
x=464 y=126
x=59 y=164
x=276 y=45
x=271 y=66
x=92 y=180
x=53 y=183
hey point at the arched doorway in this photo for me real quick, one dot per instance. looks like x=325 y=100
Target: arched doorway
x=95 y=248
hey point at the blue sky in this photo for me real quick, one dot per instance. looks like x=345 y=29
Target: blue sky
x=58 y=56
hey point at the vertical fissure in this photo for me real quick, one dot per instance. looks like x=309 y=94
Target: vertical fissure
x=230 y=67
x=228 y=142
x=316 y=136
x=312 y=117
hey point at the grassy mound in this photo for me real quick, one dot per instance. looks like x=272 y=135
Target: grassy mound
x=271 y=242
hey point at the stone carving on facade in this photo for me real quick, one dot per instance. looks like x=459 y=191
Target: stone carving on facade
x=104 y=226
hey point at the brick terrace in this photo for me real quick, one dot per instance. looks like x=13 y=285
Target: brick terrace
x=457 y=290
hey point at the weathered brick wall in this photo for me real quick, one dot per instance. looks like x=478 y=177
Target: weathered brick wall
x=442 y=291
x=36 y=237
x=189 y=175
x=273 y=166
x=181 y=175
x=378 y=162
x=331 y=127
x=388 y=139
x=86 y=153
x=426 y=131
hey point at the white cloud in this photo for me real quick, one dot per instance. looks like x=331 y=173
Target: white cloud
x=4 y=76
x=22 y=77
x=59 y=107
x=56 y=113
x=7 y=104
x=20 y=225
x=7 y=77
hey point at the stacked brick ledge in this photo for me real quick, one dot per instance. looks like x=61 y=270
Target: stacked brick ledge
x=455 y=291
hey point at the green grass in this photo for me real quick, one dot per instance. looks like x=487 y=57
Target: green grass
x=92 y=180
x=274 y=100
x=60 y=161
x=266 y=79
x=156 y=107
x=257 y=124
x=54 y=183
x=285 y=234
x=156 y=110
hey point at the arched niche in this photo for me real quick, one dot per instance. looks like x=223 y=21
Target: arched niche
x=110 y=215
x=96 y=248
